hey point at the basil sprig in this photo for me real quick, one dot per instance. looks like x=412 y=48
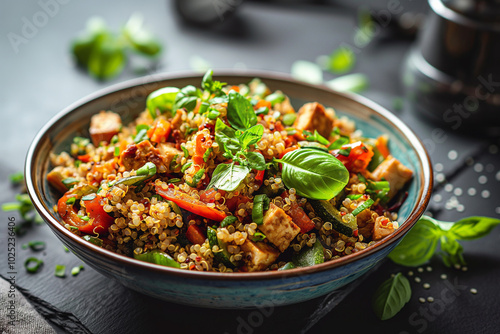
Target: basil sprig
x=420 y=244
x=240 y=113
x=314 y=174
x=391 y=296
x=186 y=98
x=211 y=86
x=228 y=177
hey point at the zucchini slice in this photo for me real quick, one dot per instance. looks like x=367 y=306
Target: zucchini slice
x=309 y=256
x=223 y=255
x=328 y=213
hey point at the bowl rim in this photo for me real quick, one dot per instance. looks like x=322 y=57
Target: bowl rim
x=417 y=211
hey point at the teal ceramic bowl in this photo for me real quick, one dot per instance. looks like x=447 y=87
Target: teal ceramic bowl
x=223 y=290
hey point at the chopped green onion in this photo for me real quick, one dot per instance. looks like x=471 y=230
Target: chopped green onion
x=141 y=136
x=262 y=111
x=35 y=245
x=73 y=228
x=365 y=205
x=318 y=138
x=289 y=119
x=89 y=197
x=354 y=196
x=148 y=169
x=114 y=140
x=173 y=163
x=290 y=131
x=307 y=71
x=190 y=131
x=60 y=270
x=213 y=114
x=197 y=178
x=76 y=270
x=258 y=236
x=32 y=264
x=71 y=200
x=229 y=220
x=65 y=249
x=77 y=163
x=339 y=143
x=204 y=107
x=93 y=240
x=185 y=150
x=186 y=166
x=174 y=180
x=207 y=153
x=117 y=151
x=341 y=60
x=355 y=83
x=275 y=98
x=16 y=178
x=70 y=182
x=361 y=178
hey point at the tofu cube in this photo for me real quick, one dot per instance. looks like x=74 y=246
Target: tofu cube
x=258 y=255
x=313 y=116
x=278 y=227
x=393 y=172
x=103 y=126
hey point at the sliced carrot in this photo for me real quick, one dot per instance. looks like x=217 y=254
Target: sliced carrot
x=195 y=235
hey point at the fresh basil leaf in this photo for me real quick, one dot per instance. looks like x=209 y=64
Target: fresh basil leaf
x=240 y=113
x=219 y=99
x=210 y=85
x=473 y=227
x=258 y=236
x=314 y=174
x=139 y=38
x=187 y=98
x=339 y=143
x=197 y=178
x=162 y=100
x=391 y=296
x=251 y=136
x=260 y=205
x=82 y=46
x=225 y=136
x=451 y=251
x=418 y=246
x=107 y=58
x=228 y=177
x=255 y=160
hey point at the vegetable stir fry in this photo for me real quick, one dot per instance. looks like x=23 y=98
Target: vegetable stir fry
x=229 y=179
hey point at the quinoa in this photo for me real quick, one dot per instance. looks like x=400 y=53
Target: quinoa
x=134 y=213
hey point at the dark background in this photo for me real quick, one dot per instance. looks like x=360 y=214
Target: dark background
x=40 y=79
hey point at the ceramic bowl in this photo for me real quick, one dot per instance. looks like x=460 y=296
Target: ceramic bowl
x=227 y=290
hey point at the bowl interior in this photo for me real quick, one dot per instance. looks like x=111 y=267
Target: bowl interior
x=128 y=99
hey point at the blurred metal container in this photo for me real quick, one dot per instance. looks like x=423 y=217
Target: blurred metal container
x=452 y=75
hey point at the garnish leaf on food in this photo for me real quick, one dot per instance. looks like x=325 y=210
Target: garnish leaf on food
x=240 y=113
x=391 y=296
x=228 y=177
x=313 y=173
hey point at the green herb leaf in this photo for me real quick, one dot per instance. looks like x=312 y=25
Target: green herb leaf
x=309 y=256
x=196 y=178
x=262 y=111
x=228 y=177
x=307 y=71
x=240 y=113
x=210 y=85
x=418 y=246
x=186 y=166
x=94 y=240
x=71 y=200
x=158 y=257
x=258 y=236
x=251 y=136
x=60 y=270
x=318 y=138
x=16 y=178
x=473 y=227
x=313 y=173
x=187 y=98
x=260 y=205
x=451 y=251
x=341 y=60
x=76 y=270
x=255 y=160
x=162 y=100
x=391 y=296
x=107 y=58
x=339 y=143
x=139 y=38
x=276 y=97
x=354 y=83
x=225 y=136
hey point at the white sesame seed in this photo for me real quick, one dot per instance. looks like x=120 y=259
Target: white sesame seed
x=438 y=167
x=464 y=268
x=497 y=210
x=482 y=179
x=490 y=168
x=444 y=276
x=448 y=187
x=497 y=176
x=460 y=208
x=417 y=280
x=420 y=270
x=428 y=268
x=422 y=300
x=430 y=299
x=410 y=273
x=485 y=194
x=473 y=291
x=457 y=266
x=437 y=198
x=478 y=167
x=472 y=191
x=426 y=285
x=440 y=177
x=452 y=155
x=458 y=191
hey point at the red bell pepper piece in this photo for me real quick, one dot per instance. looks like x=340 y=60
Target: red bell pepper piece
x=299 y=217
x=190 y=204
x=195 y=235
x=259 y=177
x=359 y=157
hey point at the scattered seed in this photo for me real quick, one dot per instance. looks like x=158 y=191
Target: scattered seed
x=457 y=266
x=417 y=280
x=452 y=155
x=472 y=191
x=448 y=187
x=478 y=167
x=428 y=268
x=410 y=273
x=458 y=191
x=430 y=299
x=444 y=276
x=464 y=268
x=426 y=285
x=440 y=177
x=482 y=179
x=422 y=300
x=497 y=210
x=485 y=194
x=473 y=291
x=438 y=167
x=437 y=198
x=420 y=270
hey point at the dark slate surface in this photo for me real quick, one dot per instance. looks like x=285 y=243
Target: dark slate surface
x=40 y=79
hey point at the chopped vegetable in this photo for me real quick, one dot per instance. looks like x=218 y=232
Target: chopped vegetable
x=60 y=270
x=32 y=264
